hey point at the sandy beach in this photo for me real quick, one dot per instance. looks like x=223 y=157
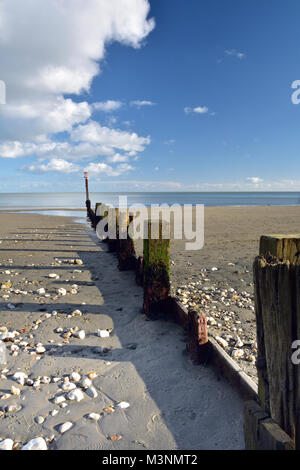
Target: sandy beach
x=137 y=387
x=218 y=279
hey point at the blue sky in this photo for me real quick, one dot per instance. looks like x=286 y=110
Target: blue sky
x=190 y=96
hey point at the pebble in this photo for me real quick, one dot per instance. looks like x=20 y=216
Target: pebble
x=38 y=443
x=222 y=342
x=62 y=291
x=20 y=377
x=75 y=395
x=40 y=349
x=94 y=416
x=75 y=377
x=41 y=291
x=7 y=444
x=103 y=333
x=86 y=383
x=58 y=400
x=123 y=405
x=79 y=334
x=39 y=419
x=65 y=427
x=68 y=386
x=15 y=391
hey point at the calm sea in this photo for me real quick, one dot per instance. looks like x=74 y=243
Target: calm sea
x=60 y=203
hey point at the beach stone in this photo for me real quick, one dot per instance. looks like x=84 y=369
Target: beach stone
x=20 y=377
x=39 y=419
x=75 y=377
x=59 y=399
x=7 y=444
x=123 y=405
x=65 y=427
x=36 y=444
x=68 y=386
x=62 y=291
x=94 y=416
x=75 y=395
x=86 y=383
x=41 y=291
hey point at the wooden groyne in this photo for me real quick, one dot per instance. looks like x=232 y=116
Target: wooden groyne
x=271 y=415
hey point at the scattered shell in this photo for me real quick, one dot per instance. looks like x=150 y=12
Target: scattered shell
x=40 y=349
x=39 y=419
x=65 y=427
x=59 y=399
x=222 y=341
x=75 y=377
x=79 y=334
x=86 y=383
x=103 y=333
x=36 y=444
x=123 y=405
x=68 y=386
x=94 y=416
x=77 y=313
x=41 y=291
x=76 y=395
x=7 y=444
x=115 y=438
x=15 y=391
x=237 y=353
x=20 y=377
x=62 y=291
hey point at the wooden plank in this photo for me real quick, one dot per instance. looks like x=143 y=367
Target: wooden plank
x=156 y=269
x=284 y=247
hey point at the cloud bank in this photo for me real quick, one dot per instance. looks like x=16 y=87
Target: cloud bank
x=57 y=51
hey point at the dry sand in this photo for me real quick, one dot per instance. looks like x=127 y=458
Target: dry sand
x=173 y=405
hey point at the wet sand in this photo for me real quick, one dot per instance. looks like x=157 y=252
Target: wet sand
x=173 y=405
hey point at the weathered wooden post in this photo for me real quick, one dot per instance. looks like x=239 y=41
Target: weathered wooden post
x=87 y=196
x=277 y=305
x=198 y=345
x=127 y=256
x=156 y=268
x=113 y=221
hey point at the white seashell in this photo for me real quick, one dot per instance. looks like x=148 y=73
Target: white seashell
x=7 y=444
x=239 y=343
x=79 y=334
x=40 y=350
x=103 y=333
x=68 y=386
x=15 y=391
x=41 y=291
x=76 y=395
x=237 y=353
x=94 y=416
x=123 y=405
x=36 y=444
x=86 y=383
x=75 y=377
x=54 y=412
x=77 y=313
x=45 y=380
x=53 y=276
x=65 y=427
x=20 y=377
x=214 y=269
x=62 y=291
x=59 y=399
x=222 y=341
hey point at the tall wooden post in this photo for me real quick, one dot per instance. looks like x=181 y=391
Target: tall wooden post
x=127 y=256
x=87 y=197
x=277 y=303
x=156 y=268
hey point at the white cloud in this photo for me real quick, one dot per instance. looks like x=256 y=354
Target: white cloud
x=59 y=165
x=107 y=106
x=141 y=103
x=94 y=133
x=107 y=170
x=254 y=180
x=57 y=49
x=235 y=53
x=197 y=110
